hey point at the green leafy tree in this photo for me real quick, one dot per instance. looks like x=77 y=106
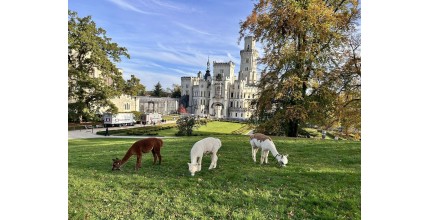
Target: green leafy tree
x=133 y=87
x=137 y=115
x=304 y=43
x=186 y=125
x=93 y=77
x=176 y=93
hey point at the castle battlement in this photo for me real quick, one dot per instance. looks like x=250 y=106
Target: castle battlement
x=223 y=63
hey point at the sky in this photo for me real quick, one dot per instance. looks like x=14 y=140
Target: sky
x=169 y=39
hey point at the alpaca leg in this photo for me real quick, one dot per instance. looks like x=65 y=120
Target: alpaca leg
x=139 y=162
x=266 y=156
x=262 y=157
x=159 y=158
x=199 y=162
x=154 y=156
x=214 y=160
x=254 y=154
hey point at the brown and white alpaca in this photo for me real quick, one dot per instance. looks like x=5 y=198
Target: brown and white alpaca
x=138 y=148
x=208 y=145
x=266 y=144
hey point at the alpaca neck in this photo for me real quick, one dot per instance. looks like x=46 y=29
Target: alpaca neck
x=195 y=160
x=273 y=150
x=126 y=157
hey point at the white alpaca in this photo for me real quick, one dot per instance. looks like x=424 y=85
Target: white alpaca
x=205 y=146
x=266 y=144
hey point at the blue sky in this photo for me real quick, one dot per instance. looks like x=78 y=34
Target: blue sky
x=169 y=39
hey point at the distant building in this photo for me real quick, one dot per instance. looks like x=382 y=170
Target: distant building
x=125 y=103
x=162 y=105
x=223 y=95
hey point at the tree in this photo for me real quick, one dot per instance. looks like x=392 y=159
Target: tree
x=158 y=91
x=176 y=93
x=137 y=115
x=133 y=87
x=186 y=125
x=93 y=77
x=304 y=43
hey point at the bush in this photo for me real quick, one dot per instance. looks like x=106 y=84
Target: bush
x=187 y=124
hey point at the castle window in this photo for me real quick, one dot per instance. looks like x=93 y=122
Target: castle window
x=231 y=95
x=241 y=115
x=221 y=71
x=236 y=114
x=248 y=47
x=231 y=104
x=246 y=68
x=247 y=60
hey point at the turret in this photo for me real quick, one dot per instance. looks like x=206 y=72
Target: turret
x=208 y=72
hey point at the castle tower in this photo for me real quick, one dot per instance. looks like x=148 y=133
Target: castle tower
x=248 y=61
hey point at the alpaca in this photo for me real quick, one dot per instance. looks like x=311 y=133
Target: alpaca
x=205 y=146
x=138 y=148
x=266 y=144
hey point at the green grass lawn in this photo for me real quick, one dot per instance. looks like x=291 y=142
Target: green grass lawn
x=321 y=181
x=211 y=128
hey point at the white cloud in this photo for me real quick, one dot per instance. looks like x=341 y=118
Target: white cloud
x=187 y=27
x=126 y=6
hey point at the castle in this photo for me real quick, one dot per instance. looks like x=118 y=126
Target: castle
x=223 y=95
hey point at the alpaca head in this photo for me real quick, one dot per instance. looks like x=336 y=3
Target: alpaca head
x=116 y=165
x=283 y=160
x=193 y=168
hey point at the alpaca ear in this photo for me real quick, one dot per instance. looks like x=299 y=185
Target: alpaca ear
x=286 y=155
x=189 y=164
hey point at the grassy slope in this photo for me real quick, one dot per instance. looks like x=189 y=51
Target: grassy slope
x=321 y=181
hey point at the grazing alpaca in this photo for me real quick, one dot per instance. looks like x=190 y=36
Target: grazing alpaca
x=266 y=144
x=205 y=146
x=138 y=148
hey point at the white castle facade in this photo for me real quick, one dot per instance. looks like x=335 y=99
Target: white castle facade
x=224 y=95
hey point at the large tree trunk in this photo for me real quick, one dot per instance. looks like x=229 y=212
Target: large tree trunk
x=293 y=129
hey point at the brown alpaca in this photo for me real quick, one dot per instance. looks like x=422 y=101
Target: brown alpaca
x=138 y=148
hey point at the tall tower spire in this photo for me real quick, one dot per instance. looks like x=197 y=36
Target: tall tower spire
x=208 y=71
